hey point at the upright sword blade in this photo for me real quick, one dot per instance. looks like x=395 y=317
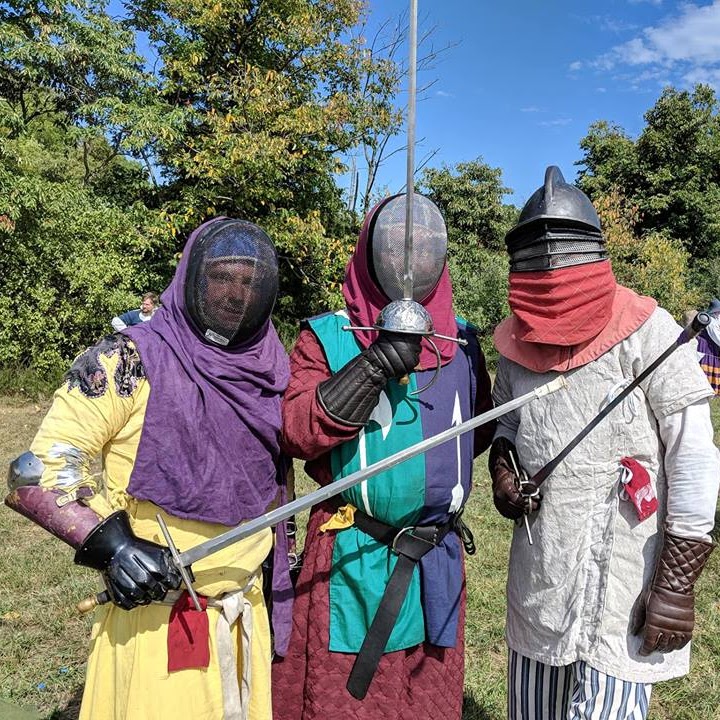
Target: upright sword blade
x=276 y=516
x=408 y=279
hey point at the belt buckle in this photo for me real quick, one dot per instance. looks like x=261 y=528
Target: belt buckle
x=416 y=537
x=401 y=532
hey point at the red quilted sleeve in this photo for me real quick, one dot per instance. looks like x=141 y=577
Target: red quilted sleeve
x=307 y=431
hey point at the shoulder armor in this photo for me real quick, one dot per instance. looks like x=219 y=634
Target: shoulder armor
x=25 y=469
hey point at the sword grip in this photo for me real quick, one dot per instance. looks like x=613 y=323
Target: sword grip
x=90 y=603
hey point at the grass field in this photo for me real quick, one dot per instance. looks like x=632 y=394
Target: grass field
x=43 y=640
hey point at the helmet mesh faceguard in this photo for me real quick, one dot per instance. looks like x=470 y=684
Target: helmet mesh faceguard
x=387 y=247
x=232 y=281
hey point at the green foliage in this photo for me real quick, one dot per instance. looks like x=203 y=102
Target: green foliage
x=470 y=197
x=654 y=264
x=259 y=99
x=71 y=260
x=313 y=267
x=245 y=115
x=670 y=173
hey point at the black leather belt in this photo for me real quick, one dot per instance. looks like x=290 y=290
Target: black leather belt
x=409 y=544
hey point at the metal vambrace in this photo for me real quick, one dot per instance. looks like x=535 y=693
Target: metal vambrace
x=351 y=394
x=667 y=609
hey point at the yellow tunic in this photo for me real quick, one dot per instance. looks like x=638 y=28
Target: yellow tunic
x=127 y=677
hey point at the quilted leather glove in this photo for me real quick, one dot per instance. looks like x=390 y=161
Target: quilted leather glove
x=350 y=395
x=508 y=500
x=666 y=611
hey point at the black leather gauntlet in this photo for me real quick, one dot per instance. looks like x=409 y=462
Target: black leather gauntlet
x=666 y=611
x=136 y=571
x=350 y=395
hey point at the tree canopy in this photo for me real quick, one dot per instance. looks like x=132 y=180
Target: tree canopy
x=109 y=156
x=470 y=195
x=670 y=174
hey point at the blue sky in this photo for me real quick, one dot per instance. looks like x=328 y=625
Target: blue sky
x=527 y=78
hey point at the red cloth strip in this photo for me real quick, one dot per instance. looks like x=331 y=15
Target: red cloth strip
x=188 y=642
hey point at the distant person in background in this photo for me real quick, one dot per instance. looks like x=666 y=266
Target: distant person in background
x=148 y=306
x=709 y=347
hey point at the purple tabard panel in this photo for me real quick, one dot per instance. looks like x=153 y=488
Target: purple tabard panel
x=452 y=395
x=710 y=362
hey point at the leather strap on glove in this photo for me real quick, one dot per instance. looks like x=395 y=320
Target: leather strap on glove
x=666 y=611
x=507 y=497
x=350 y=395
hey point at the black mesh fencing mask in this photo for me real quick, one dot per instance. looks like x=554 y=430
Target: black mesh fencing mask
x=231 y=282
x=386 y=247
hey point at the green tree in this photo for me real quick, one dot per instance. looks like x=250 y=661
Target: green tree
x=261 y=98
x=652 y=264
x=71 y=62
x=470 y=196
x=671 y=173
x=76 y=244
x=71 y=259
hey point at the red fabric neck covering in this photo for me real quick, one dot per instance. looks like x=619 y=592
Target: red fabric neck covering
x=364 y=301
x=628 y=312
x=563 y=307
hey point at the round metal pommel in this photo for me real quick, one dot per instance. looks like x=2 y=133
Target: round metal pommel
x=405 y=316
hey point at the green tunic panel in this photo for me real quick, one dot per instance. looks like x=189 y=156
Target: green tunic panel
x=361 y=565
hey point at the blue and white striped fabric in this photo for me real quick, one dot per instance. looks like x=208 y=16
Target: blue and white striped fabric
x=573 y=692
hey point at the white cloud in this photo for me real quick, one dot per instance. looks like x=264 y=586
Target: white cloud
x=530 y=109
x=442 y=93
x=681 y=47
x=577 y=65
x=556 y=122
x=708 y=76
x=613 y=25
x=601 y=90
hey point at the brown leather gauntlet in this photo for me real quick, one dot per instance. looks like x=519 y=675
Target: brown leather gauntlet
x=508 y=500
x=666 y=612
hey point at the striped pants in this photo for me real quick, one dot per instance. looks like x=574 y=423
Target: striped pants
x=573 y=692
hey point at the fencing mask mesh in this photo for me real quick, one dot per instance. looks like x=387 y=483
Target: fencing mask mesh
x=387 y=247
x=232 y=281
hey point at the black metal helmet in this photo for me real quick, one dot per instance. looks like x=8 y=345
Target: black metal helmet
x=558 y=226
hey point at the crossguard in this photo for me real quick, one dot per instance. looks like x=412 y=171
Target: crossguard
x=410 y=318
x=184 y=573
x=529 y=491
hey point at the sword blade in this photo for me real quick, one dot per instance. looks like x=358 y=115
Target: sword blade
x=324 y=493
x=408 y=279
